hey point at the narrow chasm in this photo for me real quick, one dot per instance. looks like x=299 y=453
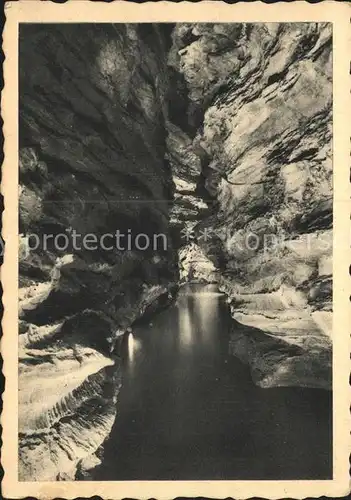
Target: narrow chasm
x=175 y=258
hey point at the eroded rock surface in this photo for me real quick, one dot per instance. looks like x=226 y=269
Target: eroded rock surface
x=92 y=160
x=189 y=208
x=261 y=98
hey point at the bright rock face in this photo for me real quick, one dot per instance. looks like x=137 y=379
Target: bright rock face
x=195 y=265
x=261 y=98
x=189 y=207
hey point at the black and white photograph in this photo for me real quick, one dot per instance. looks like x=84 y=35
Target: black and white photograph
x=175 y=251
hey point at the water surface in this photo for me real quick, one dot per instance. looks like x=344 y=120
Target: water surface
x=188 y=410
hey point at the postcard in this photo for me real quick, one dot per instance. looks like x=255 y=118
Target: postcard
x=176 y=250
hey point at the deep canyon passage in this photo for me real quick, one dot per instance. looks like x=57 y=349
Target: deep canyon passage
x=209 y=357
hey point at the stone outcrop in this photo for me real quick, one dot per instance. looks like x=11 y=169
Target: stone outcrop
x=92 y=161
x=189 y=207
x=260 y=98
x=216 y=136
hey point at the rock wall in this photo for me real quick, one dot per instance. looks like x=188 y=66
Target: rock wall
x=189 y=208
x=92 y=161
x=260 y=102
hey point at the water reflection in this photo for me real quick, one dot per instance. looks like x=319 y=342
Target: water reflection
x=208 y=311
x=186 y=327
x=187 y=410
x=198 y=315
x=133 y=348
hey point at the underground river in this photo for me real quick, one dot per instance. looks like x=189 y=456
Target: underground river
x=187 y=410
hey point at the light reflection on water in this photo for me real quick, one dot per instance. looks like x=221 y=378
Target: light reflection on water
x=134 y=347
x=186 y=327
x=198 y=314
x=187 y=410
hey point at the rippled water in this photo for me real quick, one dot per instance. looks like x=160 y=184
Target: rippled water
x=188 y=410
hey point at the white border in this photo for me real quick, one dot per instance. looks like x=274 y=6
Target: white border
x=82 y=11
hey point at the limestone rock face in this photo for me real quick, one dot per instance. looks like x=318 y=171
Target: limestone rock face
x=195 y=265
x=261 y=98
x=190 y=207
x=68 y=395
x=92 y=161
